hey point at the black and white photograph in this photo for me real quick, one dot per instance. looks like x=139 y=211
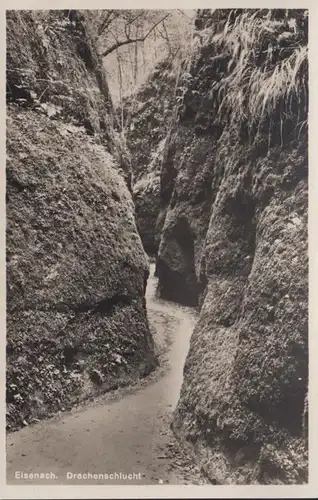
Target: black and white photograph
x=157 y=247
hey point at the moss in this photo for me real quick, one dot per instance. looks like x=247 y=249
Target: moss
x=75 y=263
x=52 y=59
x=240 y=185
x=148 y=114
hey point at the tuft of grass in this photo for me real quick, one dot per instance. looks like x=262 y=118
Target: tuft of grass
x=266 y=56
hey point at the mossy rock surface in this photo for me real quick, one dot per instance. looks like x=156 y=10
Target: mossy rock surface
x=76 y=269
x=233 y=224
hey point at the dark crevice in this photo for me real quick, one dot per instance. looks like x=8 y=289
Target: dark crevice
x=70 y=353
x=16 y=92
x=105 y=306
x=179 y=283
x=146 y=276
x=16 y=184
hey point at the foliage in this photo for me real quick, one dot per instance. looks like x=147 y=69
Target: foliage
x=262 y=58
x=162 y=34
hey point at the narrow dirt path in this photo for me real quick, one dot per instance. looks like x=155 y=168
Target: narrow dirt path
x=127 y=432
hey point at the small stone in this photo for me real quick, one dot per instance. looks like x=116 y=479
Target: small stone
x=296 y=221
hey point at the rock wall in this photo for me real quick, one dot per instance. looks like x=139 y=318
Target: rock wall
x=234 y=242
x=149 y=114
x=76 y=269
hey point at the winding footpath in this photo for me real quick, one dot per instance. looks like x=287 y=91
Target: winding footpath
x=124 y=434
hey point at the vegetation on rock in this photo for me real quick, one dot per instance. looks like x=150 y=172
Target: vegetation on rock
x=149 y=114
x=76 y=270
x=234 y=241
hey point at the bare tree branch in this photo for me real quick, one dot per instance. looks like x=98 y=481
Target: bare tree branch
x=114 y=36
x=127 y=30
x=107 y=21
x=135 y=18
x=185 y=15
x=131 y=21
x=132 y=40
x=104 y=22
x=166 y=32
x=172 y=56
x=167 y=37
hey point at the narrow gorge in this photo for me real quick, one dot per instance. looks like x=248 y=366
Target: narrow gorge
x=157 y=273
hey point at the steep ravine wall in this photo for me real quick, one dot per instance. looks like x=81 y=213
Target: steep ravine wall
x=234 y=241
x=76 y=269
x=149 y=114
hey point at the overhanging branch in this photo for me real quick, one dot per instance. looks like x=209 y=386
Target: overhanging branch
x=129 y=40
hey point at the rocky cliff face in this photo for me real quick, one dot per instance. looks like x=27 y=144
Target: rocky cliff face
x=234 y=241
x=150 y=114
x=76 y=268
